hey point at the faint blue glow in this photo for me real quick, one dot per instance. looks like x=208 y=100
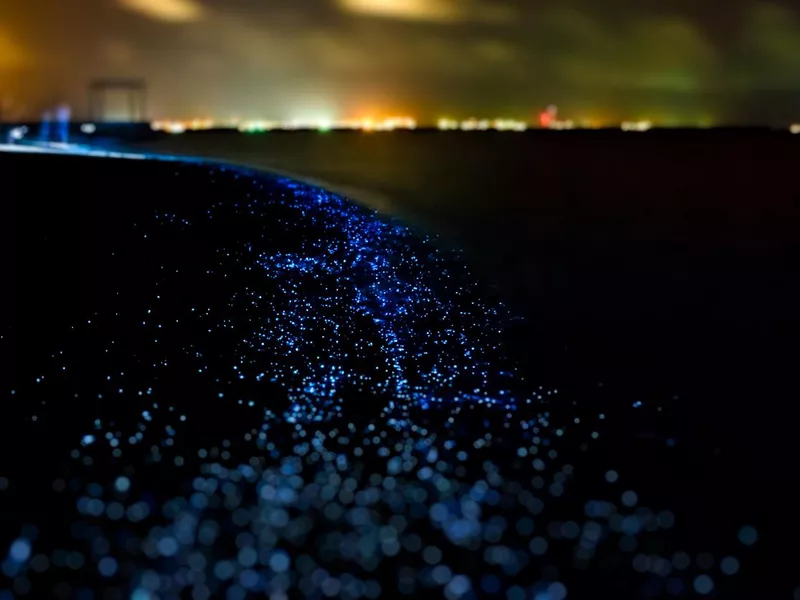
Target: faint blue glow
x=748 y=535
x=729 y=565
x=279 y=562
x=107 y=566
x=703 y=584
x=20 y=550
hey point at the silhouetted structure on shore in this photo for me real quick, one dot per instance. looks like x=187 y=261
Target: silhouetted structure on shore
x=135 y=89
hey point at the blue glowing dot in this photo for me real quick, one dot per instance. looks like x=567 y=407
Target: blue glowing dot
x=630 y=498
x=748 y=535
x=247 y=557
x=538 y=546
x=20 y=550
x=516 y=593
x=279 y=562
x=140 y=594
x=167 y=546
x=459 y=585
x=224 y=570
x=703 y=584
x=557 y=591
x=122 y=484
x=729 y=565
x=612 y=476
x=107 y=566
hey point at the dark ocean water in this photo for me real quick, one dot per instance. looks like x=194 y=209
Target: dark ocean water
x=648 y=280
x=666 y=259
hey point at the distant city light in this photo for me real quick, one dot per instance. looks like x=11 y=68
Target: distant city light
x=168 y=126
x=447 y=125
x=562 y=125
x=365 y=124
x=636 y=125
x=548 y=117
x=257 y=126
x=547 y=120
x=88 y=128
x=182 y=126
x=389 y=124
x=509 y=125
x=201 y=124
x=795 y=128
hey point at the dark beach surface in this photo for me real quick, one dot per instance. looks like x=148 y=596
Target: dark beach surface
x=656 y=284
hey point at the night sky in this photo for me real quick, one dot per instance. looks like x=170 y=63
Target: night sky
x=671 y=61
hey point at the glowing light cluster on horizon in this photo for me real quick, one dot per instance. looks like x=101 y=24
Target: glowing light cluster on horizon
x=636 y=126
x=547 y=120
x=176 y=127
x=388 y=124
x=562 y=125
x=365 y=124
x=473 y=124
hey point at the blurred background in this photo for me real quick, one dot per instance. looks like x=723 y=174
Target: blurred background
x=671 y=62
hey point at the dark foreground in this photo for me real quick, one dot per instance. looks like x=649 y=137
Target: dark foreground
x=227 y=384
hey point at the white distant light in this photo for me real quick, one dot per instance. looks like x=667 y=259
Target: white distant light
x=88 y=128
x=795 y=129
x=636 y=126
x=18 y=133
x=562 y=125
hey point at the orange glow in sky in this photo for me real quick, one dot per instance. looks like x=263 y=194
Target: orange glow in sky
x=422 y=10
x=171 y=11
